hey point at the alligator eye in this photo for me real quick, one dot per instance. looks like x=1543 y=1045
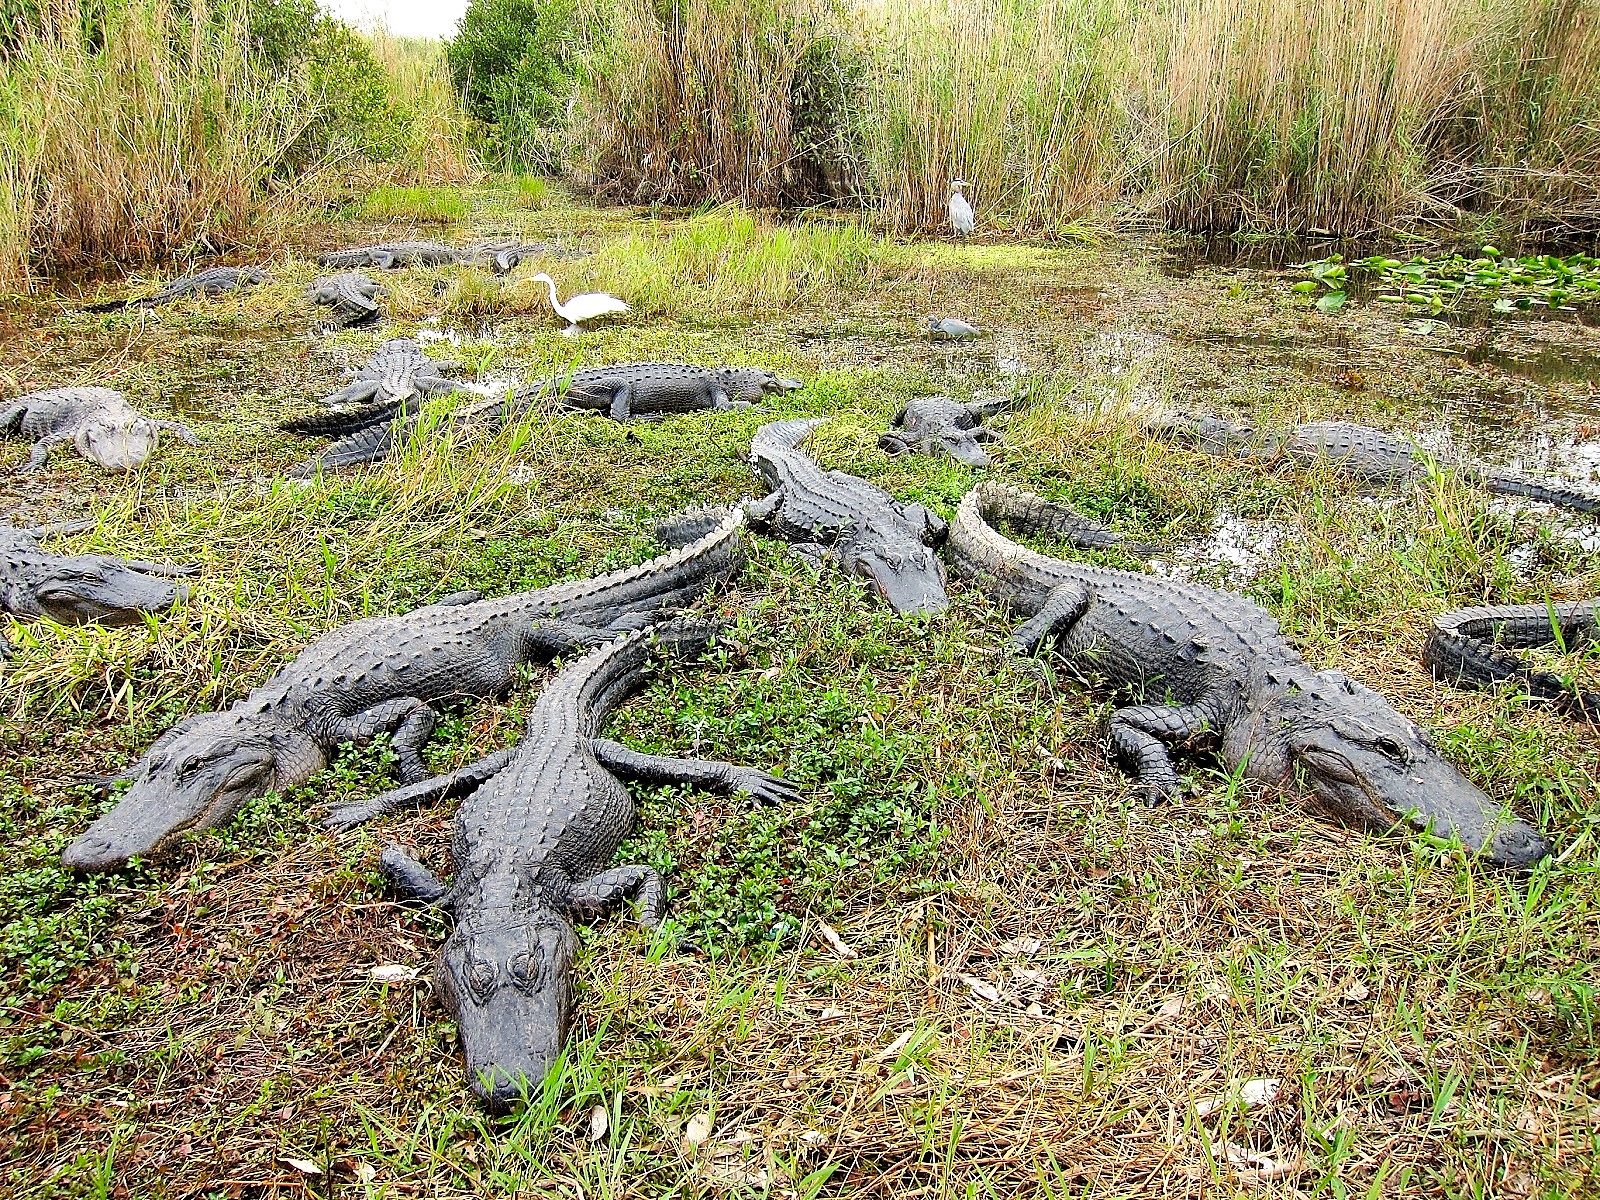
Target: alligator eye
x=1392 y=750
x=479 y=977
x=527 y=970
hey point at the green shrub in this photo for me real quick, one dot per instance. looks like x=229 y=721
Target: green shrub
x=513 y=61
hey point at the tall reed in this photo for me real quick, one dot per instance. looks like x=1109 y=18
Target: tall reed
x=439 y=134
x=131 y=130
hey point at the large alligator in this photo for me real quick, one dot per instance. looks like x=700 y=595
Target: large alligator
x=99 y=421
x=213 y=281
x=397 y=370
x=352 y=296
x=1370 y=455
x=504 y=256
x=533 y=846
x=622 y=390
x=76 y=589
x=388 y=255
x=829 y=515
x=1223 y=671
x=381 y=674
x=1469 y=648
x=938 y=424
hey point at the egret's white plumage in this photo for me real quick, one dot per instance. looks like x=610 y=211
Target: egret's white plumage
x=961 y=218
x=585 y=306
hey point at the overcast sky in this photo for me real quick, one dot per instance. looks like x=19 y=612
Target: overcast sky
x=407 y=18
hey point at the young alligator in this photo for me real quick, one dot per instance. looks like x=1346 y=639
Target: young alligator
x=352 y=296
x=1467 y=648
x=99 y=421
x=831 y=515
x=533 y=846
x=378 y=674
x=932 y=424
x=213 y=281
x=1370 y=455
x=79 y=589
x=388 y=255
x=1227 y=672
x=622 y=390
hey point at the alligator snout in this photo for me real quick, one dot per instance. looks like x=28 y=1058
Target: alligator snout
x=93 y=853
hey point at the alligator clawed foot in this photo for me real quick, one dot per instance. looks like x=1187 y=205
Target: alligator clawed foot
x=348 y=816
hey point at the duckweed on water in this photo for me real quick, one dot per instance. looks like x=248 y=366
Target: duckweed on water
x=1441 y=284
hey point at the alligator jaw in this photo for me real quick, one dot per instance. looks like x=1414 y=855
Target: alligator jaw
x=911 y=583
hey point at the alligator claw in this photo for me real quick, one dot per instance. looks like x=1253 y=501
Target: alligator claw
x=765 y=789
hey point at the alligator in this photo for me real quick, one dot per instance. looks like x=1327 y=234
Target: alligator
x=99 y=421
x=951 y=329
x=213 y=281
x=1224 y=672
x=397 y=370
x=858 y=525
x=381 y=674
x=388 y=255
x=533 y=845
x=79 y=589
x=934 y=424
x=352 y=296
x=1370 y=455
x=1467 y=648
x=505 y=256
x=643 y=391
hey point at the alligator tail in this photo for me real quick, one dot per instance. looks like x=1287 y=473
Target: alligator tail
x=1001 y=506
x=1466 y=648
x=689 y=526
x=1552 y=492
x=364 y=446
x=341 y=423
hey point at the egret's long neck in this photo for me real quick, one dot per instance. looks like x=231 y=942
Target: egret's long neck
x=554 y=302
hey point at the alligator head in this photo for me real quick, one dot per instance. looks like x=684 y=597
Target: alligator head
x=506 y=975
x=960 y=445
x=101 y=589
x=908 y=575
x=117 y=445
x=195 y=777
x=753 y=383
x=1368 y=765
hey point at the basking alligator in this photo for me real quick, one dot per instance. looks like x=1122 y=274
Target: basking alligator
x=1370 y=455
x=377 y=674
x=933 y=424
x=622 y=391
x=533 y=845
x=831 y=515
x=99 y=421
x=505 y=256
x=1467 y=648
x=79 y=589
x=1227 y=673
x=397 y=370
x=213 y=281
x=352 y=296
x=388 y=255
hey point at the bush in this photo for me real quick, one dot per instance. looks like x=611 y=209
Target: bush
x=513 y=61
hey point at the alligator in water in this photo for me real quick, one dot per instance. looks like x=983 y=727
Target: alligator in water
x=833 y=516
x=76 y=589
x=352 y=296
x=1470 y=647
x=397 y=370
x=622 y=390
x=378 y=674
x=1227 y=673
x=533 y=847
x=99 y=421
x=388 y=255
x=1369 y=455
x=937 y=424
x=213 y=281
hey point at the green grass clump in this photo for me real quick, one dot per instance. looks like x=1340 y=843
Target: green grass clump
x=392 y=203
x=529 y=191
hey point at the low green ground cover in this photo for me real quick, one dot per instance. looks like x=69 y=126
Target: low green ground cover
x=1044 y=987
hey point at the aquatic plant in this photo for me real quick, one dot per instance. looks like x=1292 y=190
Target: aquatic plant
x=1540 y=281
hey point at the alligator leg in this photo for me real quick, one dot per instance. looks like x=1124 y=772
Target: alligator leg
x=727 y=778
x=41 y=451
x=456 y=784
x=1062 y=609
x=621 y=402
x=1140 y=737
x=410 y=878
x=893 y=444
x=933 y=527
x=179 y=428
x=11 y=416
x=412 y=724
x=593 y=898
x=761 y=512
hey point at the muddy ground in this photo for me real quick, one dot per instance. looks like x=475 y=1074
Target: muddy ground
x=1033 y=983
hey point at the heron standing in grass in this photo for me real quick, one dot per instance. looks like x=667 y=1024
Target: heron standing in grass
x=585 y=306
x=961 y=219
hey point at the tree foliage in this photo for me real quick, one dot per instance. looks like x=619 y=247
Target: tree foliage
x=514 y=61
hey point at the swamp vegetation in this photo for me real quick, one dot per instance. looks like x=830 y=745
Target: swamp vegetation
x=968 y=962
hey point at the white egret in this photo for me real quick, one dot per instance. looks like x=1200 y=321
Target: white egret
x=961 y=218
x=585 y=306
x=951 y=329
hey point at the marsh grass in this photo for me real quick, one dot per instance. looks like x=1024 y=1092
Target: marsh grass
x=201 y=1019
x=393 y=202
